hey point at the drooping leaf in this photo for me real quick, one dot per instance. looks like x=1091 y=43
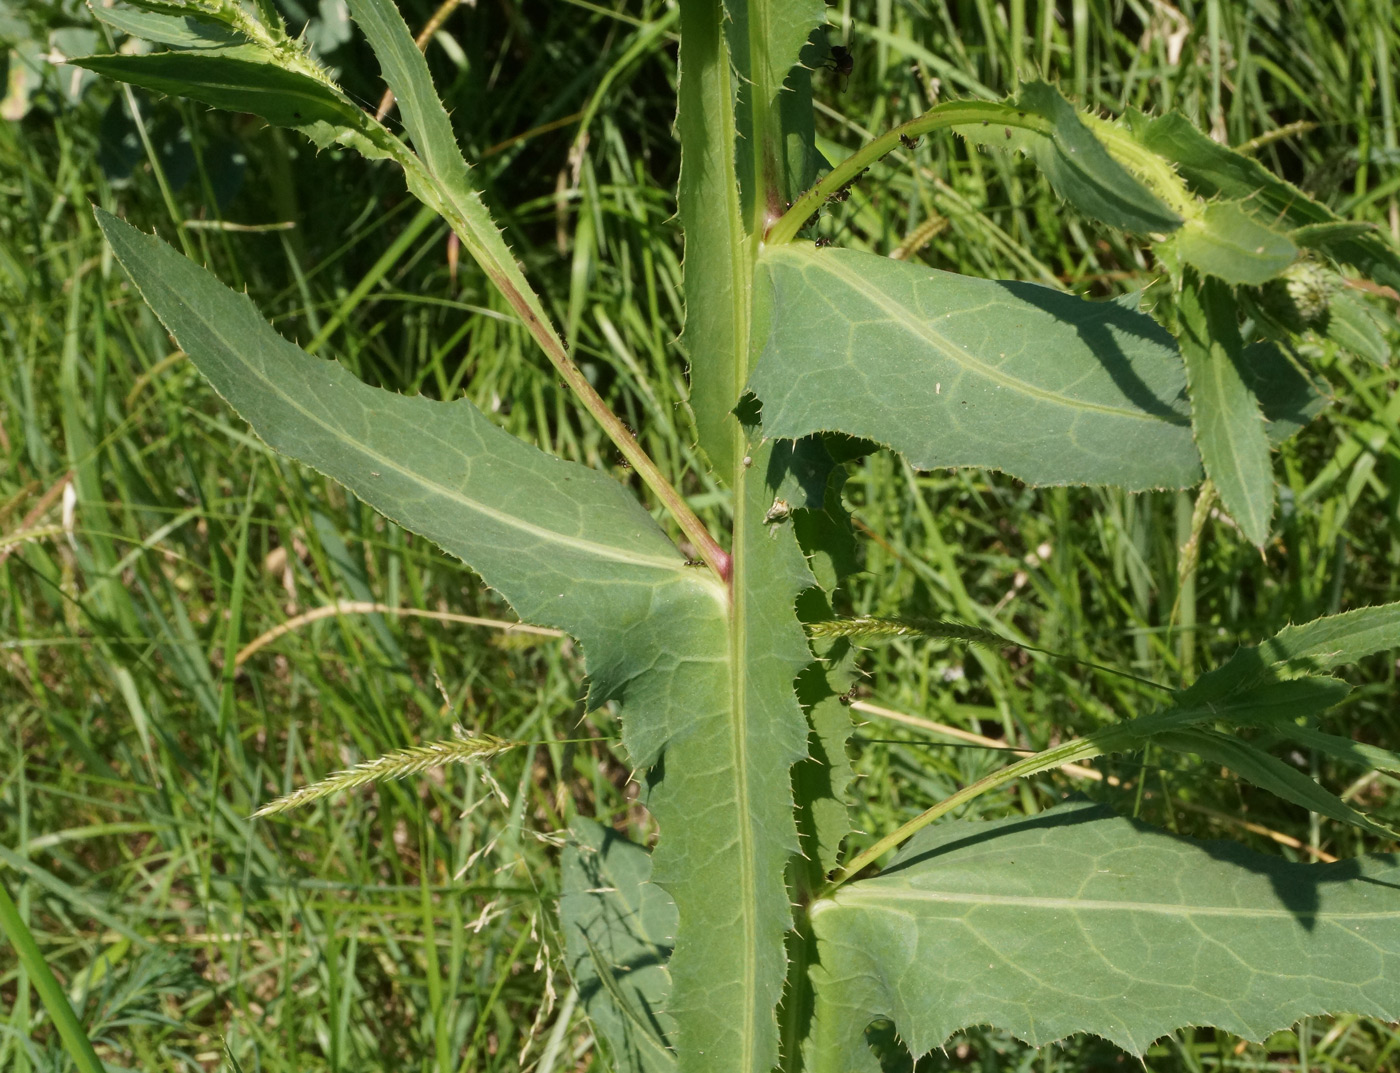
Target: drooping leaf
x=1315 y=647
x=1224 y=412
x=1269 y=773
x=1078 y=166
x=1079 y=921
x=246 y=78
x=1213 y=170
x=954 y=371
x=1227 y=241
x=618 y=930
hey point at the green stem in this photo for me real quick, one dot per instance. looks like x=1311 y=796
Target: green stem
x=952 y=114
x=70 y=1030
x=1119 y=738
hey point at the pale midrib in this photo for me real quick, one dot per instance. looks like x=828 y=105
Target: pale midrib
x=899 y=315
x=738 y=723
x=895 y=901
x=743 y=251
x=600 y=551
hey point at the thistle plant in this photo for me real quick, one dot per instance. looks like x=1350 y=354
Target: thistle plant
x=754 y=936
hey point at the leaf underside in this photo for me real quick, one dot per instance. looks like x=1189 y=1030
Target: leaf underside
x=618 y=930
x=954 y=371
x=1076 y=920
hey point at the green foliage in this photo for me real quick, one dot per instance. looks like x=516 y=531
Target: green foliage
x=619 y=927
x=1077 y=919
x=954 y=371
x=701 y=659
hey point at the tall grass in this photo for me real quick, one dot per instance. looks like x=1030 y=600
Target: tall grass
x=148 y=538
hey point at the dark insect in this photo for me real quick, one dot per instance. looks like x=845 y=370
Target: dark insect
x=842 y=62
x=908 y=142
x=695 y=562
x=823 y=243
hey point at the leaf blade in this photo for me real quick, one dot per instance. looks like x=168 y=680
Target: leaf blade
x=1225 y=415
x=953 y=371
x=617 y=929
x=1042 y=923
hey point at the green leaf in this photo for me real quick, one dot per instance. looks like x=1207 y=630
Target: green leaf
x=184 y=31
x=618 y=929
x=1228 y=423
x=1348 y=751
x=954 y=371
x=715 y=336
x=1315 y=647
x=566 y=545
x=1078 y=921
x=1353 y=325
x=1269 y=773
x=1227 y=241
x=570 y=547
x=247 y=78
x=1213 y=170
x=1288 y=396
x=406 y=72
x=1078 y=166
x=823 y=780
x=728 y=875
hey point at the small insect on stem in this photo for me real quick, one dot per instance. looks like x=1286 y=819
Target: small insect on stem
x=908 y=142
x=842 y=62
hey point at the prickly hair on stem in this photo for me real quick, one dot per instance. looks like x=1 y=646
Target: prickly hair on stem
x=870 y=626
x=394 y=765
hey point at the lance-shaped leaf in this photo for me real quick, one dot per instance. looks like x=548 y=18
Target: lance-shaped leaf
x=1228 y=422
x=1315 y=647
x=565 y=545
x=1269 y=773
x=715 y=337
x=184 y=31
x=1046 y=127
x=248 y=78
x=570 y=547
x=1347 y=750
x=1079 y=921
x=954 y=371
x=618 y=930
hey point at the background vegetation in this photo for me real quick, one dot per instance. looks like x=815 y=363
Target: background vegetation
x=147 y=538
